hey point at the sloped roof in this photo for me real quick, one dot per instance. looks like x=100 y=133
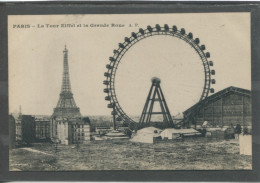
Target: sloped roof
x=145 y=135
x=148 y=130
x=15 y=115
x=183 y=131
x=237 y=90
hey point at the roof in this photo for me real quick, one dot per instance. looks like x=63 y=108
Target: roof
x=217 y=95
x=145 y=135
x=148 y=130
x=75 y=120
x=15 y=116
x=216 y=129
x=183 y=131
x=42 y=117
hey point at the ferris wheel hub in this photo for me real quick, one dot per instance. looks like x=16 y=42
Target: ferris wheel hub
x=155 y=80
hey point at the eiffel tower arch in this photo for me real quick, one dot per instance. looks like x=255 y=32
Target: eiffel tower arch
x=155 y=95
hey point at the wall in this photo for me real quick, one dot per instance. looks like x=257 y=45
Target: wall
x=12 y=132
x=42 y=129
x=72 y=131
x=28 y=129
x=228 y=109
x=62 y=132
x=80 y=133
x=18 y=129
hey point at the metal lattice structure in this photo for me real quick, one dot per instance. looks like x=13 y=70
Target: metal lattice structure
x=66 y=106
x=146 y=33
x=155 y=95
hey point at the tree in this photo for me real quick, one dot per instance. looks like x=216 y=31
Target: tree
x=238 y=129
x=245 y=130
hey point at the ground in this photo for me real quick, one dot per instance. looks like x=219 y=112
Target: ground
x=199 y=154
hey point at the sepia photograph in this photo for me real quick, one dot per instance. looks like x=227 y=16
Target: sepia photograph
x=165 y=91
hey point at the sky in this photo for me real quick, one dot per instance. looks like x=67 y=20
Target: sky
x=35 y=57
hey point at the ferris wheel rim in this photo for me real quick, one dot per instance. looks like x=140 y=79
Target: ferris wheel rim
x=137 y=37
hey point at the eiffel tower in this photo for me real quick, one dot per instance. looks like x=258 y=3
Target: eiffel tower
x=155 y=95
x=66 y=106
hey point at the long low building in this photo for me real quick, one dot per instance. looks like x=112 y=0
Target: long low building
x=230 y=106
x=28 y=129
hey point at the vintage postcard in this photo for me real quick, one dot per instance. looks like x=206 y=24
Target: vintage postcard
x=130 y=92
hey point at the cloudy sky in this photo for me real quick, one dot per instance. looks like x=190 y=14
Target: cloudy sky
x=36 y=59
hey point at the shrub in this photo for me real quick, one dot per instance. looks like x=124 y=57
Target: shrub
x=245 y=131
x=238 y=129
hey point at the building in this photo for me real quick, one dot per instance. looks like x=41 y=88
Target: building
x=42 y=128
x=18 y=127
x=24 y=129
x=230 y=106
x=28 y=129
x=12 y=132
x=67 y=125
x=73 y=130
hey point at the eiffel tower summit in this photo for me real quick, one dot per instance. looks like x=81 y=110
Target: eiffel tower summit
x=67 y=124
x=66 y=106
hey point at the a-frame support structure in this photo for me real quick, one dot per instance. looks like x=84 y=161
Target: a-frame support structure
x=155 y=95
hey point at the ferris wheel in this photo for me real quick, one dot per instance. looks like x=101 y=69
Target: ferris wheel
x=142 y=34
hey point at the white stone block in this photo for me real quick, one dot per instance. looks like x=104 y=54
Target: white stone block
x=245 y=144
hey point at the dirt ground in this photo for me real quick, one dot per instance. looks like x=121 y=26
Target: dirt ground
x=198 y=154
